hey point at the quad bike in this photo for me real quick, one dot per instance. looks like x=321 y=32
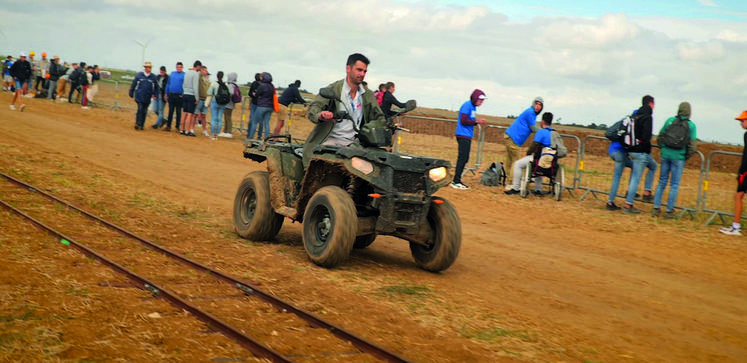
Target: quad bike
x=347 y=196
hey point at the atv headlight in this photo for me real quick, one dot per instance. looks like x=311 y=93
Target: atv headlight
x=437 y=174
x=361 y=165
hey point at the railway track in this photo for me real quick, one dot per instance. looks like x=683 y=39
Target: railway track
x=225 y=303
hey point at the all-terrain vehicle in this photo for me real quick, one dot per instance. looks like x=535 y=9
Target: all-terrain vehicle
x=346 y=197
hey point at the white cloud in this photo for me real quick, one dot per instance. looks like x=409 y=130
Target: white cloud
x=608 y=30
x=731 y=36
x=703 y=52
x=707 y=3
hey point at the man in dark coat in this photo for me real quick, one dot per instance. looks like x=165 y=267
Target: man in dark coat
x=143 y=88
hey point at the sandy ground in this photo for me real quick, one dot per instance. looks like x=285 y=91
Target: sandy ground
x=536 y=280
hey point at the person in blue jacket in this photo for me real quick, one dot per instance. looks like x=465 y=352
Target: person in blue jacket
x=520 y=130
x=143 y=88
x=464 y=132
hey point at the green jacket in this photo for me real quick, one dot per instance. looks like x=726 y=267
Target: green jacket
x=371 y=114
x=680 y=154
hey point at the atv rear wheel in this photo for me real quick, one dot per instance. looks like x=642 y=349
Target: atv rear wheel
x=329 y=226
x=364 y=241
x=253 y=215
x=445 y=241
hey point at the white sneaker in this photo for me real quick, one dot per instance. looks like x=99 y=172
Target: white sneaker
x=12 y=107
x=85 y=107
x=460 y=186
x=731 y=231
x=204 y=132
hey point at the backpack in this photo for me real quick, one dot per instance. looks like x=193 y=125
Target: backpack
x=223 y=96
x=623 y=131
x=494 y=175
x=83 y=78
x=677 y=134
x=236 y=97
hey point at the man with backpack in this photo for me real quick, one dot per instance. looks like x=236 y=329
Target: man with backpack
x=678 y=141
x=218 y=96
x=619 y=155
x=638 y=146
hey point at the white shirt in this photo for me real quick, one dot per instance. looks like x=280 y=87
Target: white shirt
x=343 y=133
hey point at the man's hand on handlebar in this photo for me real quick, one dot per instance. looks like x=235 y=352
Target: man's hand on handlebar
x=326 y=116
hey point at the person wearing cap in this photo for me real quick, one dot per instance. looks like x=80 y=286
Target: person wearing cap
x=736 y=227
x=640 y=153
x=143 y=88
x=191 y=87
x=519 y=131
x=41 y=72
x=21 y=73
x=55 y=71
x=466 y=121
x=86 y=83
x=673 y=161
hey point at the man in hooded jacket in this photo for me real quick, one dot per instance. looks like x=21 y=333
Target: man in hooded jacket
x=466 y=122
x=640 y=153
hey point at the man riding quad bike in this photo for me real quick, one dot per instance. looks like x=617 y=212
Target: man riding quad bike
x=344 y=187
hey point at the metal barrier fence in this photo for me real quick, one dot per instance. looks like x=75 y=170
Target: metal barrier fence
x=593 y=169
x=599 y=168
x=718 y=195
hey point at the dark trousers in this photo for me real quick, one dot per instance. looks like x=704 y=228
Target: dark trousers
x=73 y=87
x=142 y=111
x=39 y=80
x=463 y=157
x=175 y=104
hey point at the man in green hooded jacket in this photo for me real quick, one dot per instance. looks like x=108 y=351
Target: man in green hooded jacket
x=358 y=101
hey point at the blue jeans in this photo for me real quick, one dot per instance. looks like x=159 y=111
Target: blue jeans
x=158 y=105
x=216 y=113
x=621 y=162
x=142 y=112
x=260 y=116
x=640 y=161
x=252 y=122
x=675 y=167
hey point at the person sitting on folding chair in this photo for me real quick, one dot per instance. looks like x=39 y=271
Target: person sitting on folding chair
x=545 y=137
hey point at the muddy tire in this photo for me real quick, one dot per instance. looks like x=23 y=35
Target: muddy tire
x=445 y=241
x=253 y=215
x=329 y=226
x=364 y=241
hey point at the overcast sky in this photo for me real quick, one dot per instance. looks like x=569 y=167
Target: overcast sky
x=590 y=61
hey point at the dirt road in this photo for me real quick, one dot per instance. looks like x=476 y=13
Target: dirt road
x=536 y=280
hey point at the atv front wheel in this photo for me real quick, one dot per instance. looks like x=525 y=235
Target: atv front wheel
x=253 y=215
x=329 y=226
x=445 y=241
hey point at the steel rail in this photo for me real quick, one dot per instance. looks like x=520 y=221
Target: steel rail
x=245 y=341
x=248 y=288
